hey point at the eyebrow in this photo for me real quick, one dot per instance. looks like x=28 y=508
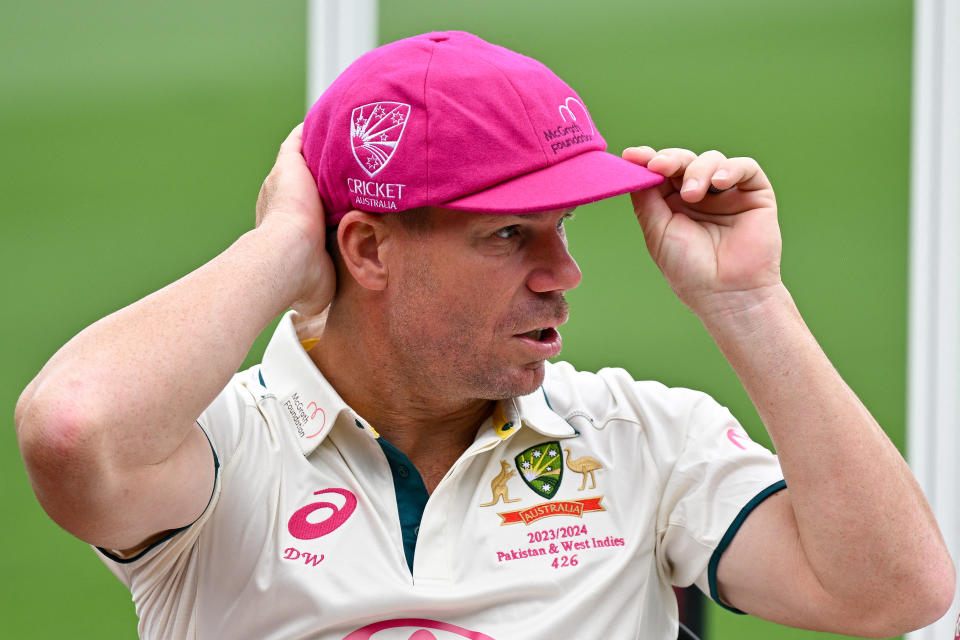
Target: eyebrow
x=515 y=218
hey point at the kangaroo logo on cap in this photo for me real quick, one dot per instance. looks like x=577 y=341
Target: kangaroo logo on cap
x=375 y=131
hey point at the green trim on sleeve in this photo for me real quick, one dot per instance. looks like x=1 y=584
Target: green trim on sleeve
x=728 y=538
x=173 y=532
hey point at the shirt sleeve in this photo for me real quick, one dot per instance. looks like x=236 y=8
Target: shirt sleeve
x=719 y=476
x=157 y=564
x=162 y=577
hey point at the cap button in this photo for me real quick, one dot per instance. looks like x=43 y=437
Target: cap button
x=439 y=37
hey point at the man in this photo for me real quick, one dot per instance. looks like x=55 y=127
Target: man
x=405 y=462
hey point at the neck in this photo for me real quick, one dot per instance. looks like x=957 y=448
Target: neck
x=415 y=417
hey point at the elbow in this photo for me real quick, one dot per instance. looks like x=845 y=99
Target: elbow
x=915 y=602
x=58 y=445
x=934 y=584
x=937 y=592
x=51 y=432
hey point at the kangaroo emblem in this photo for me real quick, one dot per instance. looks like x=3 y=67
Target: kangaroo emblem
x=499 y=485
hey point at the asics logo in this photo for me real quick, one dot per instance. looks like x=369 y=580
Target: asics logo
x=305 y=525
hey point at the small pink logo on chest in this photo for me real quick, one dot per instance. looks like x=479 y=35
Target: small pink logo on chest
x=303 y=527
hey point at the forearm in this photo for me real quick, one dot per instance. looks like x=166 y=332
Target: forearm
x=857 y=505
x=130 y=385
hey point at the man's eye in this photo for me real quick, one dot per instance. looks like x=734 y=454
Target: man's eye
x=507 y=232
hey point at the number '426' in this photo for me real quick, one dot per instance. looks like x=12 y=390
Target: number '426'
x=565 y=561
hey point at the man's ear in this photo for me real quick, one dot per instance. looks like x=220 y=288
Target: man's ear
x=360 y=236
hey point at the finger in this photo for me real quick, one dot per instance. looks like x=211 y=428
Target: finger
x=293 y=142
x=263 y=201
x=721 y=206
x=743 y=173
x=671 y=162
x=639 y=155
x=696 y=178
x=289 y=152
x=653 y=214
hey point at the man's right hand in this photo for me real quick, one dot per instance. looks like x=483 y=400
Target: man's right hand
x=117 y=406
x=289 y=197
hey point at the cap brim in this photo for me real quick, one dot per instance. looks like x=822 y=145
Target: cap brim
x=588 y=177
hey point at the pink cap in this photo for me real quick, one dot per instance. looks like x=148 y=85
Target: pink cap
x=448 y=119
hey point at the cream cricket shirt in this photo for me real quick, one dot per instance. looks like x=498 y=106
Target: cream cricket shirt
x=570 y=516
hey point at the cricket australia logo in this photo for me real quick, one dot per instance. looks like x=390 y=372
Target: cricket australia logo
x=541 y=468
x=375 y=131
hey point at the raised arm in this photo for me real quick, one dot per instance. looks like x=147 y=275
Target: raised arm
x=108 y=427
x=852 y=546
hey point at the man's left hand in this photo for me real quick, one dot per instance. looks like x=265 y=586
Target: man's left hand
x=716 y=250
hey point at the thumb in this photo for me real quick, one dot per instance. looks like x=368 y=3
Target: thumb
x=652 y=213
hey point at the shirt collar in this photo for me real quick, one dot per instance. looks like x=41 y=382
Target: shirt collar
x=310 y=406
x=535 y=412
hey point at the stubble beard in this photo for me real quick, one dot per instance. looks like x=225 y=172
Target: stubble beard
x=437 y=363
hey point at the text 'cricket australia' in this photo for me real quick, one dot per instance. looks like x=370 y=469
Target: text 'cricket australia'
x=379 y=195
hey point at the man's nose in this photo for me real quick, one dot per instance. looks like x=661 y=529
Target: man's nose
x=556 y=270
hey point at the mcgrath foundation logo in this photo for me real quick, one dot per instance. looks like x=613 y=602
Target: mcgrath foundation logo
x=305 y=417
x=573 y=130
x=568 y=112
x=375 y=131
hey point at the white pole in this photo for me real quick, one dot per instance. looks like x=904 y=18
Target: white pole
x=338 y=32
x=933 y=414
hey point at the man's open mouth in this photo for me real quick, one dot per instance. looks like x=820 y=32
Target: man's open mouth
x=545 y=334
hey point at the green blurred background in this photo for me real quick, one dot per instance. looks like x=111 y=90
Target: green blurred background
x=135 y=137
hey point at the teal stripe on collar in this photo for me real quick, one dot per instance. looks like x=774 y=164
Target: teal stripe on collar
x=546 y=399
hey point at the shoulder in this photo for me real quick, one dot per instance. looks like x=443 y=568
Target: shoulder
x=612 y=394
x=235 y=407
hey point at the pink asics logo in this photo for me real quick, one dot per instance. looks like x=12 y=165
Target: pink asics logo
x=420 y=630
x=735 y=437
x=302 y=528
